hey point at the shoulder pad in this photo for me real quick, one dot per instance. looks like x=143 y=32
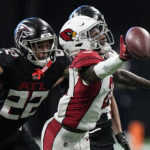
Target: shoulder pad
x=86 y=58
x=59 y=53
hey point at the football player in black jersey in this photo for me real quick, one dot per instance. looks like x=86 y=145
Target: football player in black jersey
x=101 y=138
x=23 y=83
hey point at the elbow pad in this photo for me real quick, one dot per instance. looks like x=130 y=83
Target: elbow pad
x=108 y=67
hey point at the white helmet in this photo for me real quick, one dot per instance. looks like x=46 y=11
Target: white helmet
x=75 y=34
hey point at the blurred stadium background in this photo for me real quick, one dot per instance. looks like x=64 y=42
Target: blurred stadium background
x=120 y=16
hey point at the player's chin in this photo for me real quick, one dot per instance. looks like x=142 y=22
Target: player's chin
x=42 y=56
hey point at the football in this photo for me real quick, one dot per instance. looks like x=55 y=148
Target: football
x=137 y=40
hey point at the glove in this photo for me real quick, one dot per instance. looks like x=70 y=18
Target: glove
x=124 y=54
x=121 y=138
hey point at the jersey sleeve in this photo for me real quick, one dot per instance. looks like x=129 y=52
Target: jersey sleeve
x=86 y=58
x=8 y=57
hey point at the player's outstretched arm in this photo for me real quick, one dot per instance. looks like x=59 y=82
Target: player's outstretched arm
x=130 y=79
x=113 y=63
x=107 y=67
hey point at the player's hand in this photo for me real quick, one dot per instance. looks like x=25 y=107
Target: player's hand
x=124 y=54
x=121 y=138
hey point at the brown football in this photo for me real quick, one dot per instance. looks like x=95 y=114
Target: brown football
x=137 y=40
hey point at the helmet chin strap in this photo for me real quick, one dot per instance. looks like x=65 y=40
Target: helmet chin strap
x=42 y=63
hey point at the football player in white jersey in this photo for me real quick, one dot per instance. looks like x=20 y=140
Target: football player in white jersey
x=90 y=84
x=101 y=138
x=120 y=76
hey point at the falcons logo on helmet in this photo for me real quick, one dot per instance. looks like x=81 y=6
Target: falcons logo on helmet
x=68 y=34
x=22 y=32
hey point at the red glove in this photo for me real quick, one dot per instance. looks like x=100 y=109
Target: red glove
x=124 y=54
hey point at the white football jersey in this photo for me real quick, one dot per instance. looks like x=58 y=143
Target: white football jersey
x=82 y=106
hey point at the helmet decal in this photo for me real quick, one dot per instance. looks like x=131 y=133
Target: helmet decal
x=83 y=32
x=68 y=34
x=22 y=32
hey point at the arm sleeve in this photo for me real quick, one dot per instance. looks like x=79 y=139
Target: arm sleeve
x=109 y=66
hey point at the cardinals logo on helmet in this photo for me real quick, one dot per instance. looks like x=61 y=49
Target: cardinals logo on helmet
x=68 y=34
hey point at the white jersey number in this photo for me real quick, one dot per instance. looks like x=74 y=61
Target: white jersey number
x=22 y=104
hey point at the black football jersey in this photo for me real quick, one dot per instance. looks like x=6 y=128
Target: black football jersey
x=103 y=134
x=20 y=95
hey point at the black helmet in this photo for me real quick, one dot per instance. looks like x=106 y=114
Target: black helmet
x=29 y=33
x=86 y=10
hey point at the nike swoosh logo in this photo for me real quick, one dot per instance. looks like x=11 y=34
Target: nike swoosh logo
x=82 y=24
